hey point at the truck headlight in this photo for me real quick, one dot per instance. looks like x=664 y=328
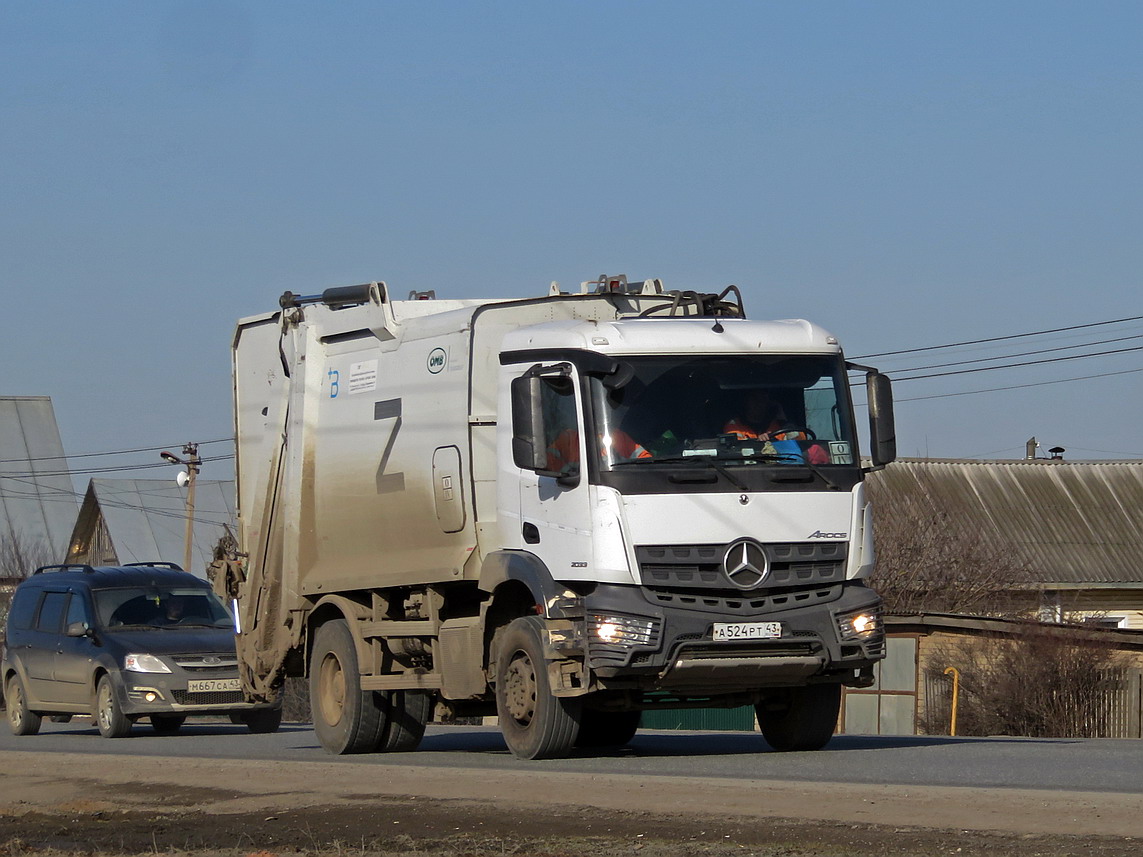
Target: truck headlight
x=617 y=630
x=861 y=625
x=140 y=663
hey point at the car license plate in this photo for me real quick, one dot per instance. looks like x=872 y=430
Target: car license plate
x=747 y=630
x=210 y=685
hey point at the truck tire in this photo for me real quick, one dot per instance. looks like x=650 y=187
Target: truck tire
x=346 y=718
x=607 y=728
x=20 y=720
x=263 y=721
x=109 y=716
x=799 y=718
x=535 y=724
x=167 y=724
x=409 y=712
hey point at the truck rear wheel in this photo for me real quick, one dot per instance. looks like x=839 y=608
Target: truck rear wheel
x=607 y=728
x=346 y=718
x=799 y=718
x=409 y=712
x=535 y=724
x=167 y=724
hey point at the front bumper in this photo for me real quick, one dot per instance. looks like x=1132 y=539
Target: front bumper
x=665 y=641
x=189 y=688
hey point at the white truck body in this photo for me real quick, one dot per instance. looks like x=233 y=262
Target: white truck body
x=399 y=475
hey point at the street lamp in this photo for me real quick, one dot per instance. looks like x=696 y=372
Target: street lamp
x=186 y=478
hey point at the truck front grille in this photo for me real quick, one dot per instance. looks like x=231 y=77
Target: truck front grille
x=676 y=567
x=757 y=603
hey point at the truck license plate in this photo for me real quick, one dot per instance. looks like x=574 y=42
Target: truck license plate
x=210 y=685
x=747 y=630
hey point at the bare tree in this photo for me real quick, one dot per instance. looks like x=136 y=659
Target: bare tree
x=930 y=561
x=1039 y=685
x=20 y=555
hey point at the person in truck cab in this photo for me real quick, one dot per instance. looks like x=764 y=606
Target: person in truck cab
x=563 y=451
x=762 y=417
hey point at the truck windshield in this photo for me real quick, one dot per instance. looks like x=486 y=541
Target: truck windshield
x=735 y=410
x=157 y=607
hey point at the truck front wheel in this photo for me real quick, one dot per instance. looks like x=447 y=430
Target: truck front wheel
x=346 y=718
x=799 y=718
x=535 y=724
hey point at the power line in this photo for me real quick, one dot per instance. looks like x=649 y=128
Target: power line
x=1023 y=353
x=1016 y=386
x=111 y=452
x=92 y=470
x=1017 y=365
x=48 y=493
x=999 y=338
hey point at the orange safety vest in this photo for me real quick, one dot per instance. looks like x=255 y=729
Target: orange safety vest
x=564 y=450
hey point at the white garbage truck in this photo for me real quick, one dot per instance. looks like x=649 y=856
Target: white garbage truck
x=562 y=511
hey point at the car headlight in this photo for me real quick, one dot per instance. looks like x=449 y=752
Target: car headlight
x=615 y=630
x=861 y=625
x=140 y=663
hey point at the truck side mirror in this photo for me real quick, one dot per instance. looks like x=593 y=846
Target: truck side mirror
x=882 y=431
x=78 y=629
x=528 y=449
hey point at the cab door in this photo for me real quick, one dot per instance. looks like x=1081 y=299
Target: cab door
x=75 y=656
x=555 y=509
x=42 y=638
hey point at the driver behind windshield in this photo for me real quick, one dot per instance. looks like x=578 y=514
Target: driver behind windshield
x=173 y=610
x=762 y=417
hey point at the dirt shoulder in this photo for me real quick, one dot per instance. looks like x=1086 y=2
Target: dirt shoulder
x=129 y=805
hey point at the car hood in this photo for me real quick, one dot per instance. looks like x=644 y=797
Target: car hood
x=170 y=641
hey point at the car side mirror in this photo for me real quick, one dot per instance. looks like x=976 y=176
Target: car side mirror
x=79 y=629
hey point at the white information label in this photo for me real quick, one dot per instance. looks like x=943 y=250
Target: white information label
x=363 y=377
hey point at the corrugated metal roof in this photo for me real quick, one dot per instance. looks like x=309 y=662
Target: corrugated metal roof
x=37 y=499
x=1072 y=522
x=146 y=519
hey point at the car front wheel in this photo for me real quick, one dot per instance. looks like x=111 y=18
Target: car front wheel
x=109 y=716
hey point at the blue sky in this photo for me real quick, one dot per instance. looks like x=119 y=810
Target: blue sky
x=906 y=174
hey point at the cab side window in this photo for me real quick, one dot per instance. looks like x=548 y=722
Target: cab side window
x=561 y=427
x=51 y=613
x=77 y=611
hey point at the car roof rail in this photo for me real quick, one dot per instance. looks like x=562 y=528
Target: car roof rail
x=64 y=567
x=171 y=565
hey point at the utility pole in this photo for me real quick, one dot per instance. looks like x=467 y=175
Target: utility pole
x=192 y=463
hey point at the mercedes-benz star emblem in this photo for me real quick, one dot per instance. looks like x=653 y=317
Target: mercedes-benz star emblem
x=745 y=563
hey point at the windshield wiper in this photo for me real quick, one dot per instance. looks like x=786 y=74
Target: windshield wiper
x=712 y=462
x=708 y=460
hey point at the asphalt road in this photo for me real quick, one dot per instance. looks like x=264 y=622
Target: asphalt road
x=1058 y=765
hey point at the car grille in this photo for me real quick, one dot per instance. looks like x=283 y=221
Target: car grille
x=217 y=697
x=208 y=662
x=674 y=567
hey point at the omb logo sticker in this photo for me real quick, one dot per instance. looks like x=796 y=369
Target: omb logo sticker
x=438 y=357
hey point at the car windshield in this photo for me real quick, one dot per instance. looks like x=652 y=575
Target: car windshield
x=160 y=607
x=735 y=410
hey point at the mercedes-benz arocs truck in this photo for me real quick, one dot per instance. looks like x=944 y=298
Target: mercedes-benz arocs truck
x=552 y=510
